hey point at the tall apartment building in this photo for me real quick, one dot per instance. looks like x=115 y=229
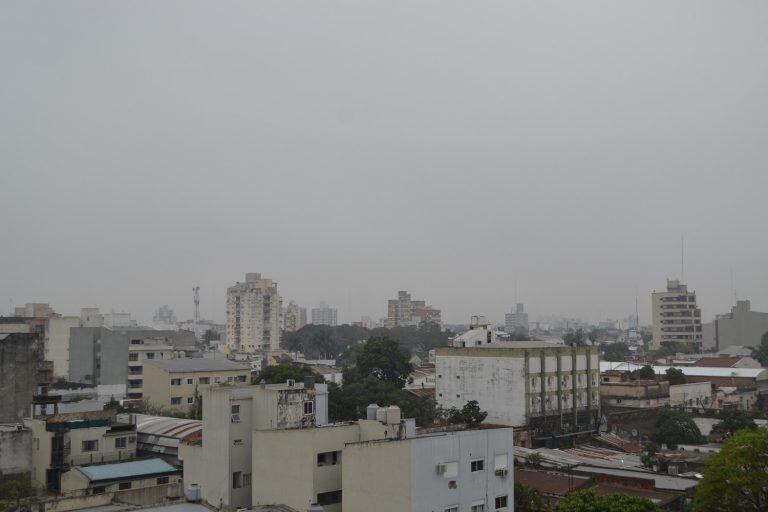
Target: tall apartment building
x=253 y=315
x=404 y=312
x=675 y=315
x=516 y=321
x=21 y=355
x=553 y=390
x=324 y=315
x=294 y=317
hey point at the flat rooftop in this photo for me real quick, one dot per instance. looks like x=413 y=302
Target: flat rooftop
x=127 y=470
x=198 y=364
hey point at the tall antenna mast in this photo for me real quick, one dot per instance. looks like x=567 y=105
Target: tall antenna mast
x=682 y=258
x=196 y=296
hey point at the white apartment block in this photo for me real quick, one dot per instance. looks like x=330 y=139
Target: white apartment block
x=222 y=465
x=325 y=315
x=675 y=315
x=554 y=390
x=441 y=470
x=253 y=315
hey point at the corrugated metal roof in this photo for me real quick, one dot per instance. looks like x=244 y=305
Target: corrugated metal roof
x=170 y=427
x=124 y=470
x=693 y=371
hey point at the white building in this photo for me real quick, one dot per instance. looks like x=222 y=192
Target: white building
x=554 y=390
x=676 y=318
x=479 y=333
x=253 y=315
x=222 y=464
x=694 y=395
x=325 y=315
x=442 y=470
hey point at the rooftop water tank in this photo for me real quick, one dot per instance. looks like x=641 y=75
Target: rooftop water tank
x=370 y=412
x=381 y=414
x=193 y=493
x=393 y=415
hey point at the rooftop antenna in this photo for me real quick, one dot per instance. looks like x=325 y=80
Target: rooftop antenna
x=682 y=258
x=637 y=314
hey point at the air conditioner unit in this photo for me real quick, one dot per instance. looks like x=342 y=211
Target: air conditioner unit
x=442 y=468
x=501 y=472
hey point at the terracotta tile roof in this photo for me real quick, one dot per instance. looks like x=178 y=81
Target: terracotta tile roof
x=717 y=362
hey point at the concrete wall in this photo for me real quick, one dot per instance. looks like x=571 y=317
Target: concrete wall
x=57 y=343
x=377 y=476
x=743 y=328
x=20 y=355
x=157 y=388
x=695 y=394
x=15 y=450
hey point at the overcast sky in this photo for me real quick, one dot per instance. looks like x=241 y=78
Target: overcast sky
x=350 y=149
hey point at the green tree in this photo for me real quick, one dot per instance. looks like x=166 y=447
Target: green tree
x=280 y=373
x=383 y=359
x=470 y=415
x=676 y=427
x=646 y=372
x=616 y=352
x=675 y=376
x=761 y=351
x=731 y=421
x=737 y=477
x=15 y=492
x=534 y=459
x=210 y=335
x=528 y=499
x=589 y=501
x=574 y=338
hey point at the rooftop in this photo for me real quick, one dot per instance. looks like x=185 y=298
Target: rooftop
x=126 y=470
x=168 y=427
x=693 y=371
x=549 y=482
x=198 y=364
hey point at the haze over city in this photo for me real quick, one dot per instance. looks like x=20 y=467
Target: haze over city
x=352 y=149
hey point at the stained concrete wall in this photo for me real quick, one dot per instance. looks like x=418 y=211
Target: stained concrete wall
x=15 y=450
x=20 y=355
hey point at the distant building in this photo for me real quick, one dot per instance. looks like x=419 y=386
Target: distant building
x=553 y=390
x=35 y=310
x=676 y=317
x=253 y=315
x=740 y=327
x=517 y=321
x=164 y=316
x=294 y=317
x=116 y=320
x=404 y=312
x=231 y=416
x=479 y=333
x=618 y=391
x=324 y=315
x=57 y=334
x=175 y=383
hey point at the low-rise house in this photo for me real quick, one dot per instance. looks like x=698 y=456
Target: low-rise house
x=617 y=390
x=174 y=383
x=151 y=480
x=692 y=396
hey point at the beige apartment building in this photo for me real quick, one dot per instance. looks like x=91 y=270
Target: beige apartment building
x=174 y=383
x=676 y=318
x=253 y=315
x=77 y=439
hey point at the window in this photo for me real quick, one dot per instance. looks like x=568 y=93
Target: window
x=190 y=400
x=101 y=489
x=309 y=407
x=162 y=480
x=477 y=465
x=189 y=381
x=329 y=498
x=124 y=486
x=500 y=461
x=120 y=442
x=150 y=355
x=235 y=409
x=137 y=342
x=452 y=484
x=176 y=400
x=237 y=480
x=90 y=446
x=454 y=508
x=501 y=502
x=246 y=479
x=328 y=458
x=216 y=380
x=133 y=356
x=480 y=507
x=175 y=382
x=230 y=379
x=204 y=380
x=240 y=378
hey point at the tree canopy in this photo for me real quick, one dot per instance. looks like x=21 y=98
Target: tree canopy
x=761 y=351
x=676 y=427
x=470 y=415
x=616 y=352
x=382 y=358
x=589 y=501
x=528 y=499
x=731 y=421
x=279 y=373
x=675 y=376
x=646 y=372
x=737 y=477
x=575 y=338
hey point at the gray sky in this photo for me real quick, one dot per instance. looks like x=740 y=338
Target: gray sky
x=349 y=149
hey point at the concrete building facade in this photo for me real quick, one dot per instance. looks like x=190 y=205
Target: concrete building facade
x=176 y=383
x=253 y=315
x=57 y=334
x=325 y=315
x=231 y=415
x=516 y=321
x=742 y=327
x=694 y=395
x=676 y=317
x=554 y=390
x=21 y=355
x=405 y=312
x=468 y=470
